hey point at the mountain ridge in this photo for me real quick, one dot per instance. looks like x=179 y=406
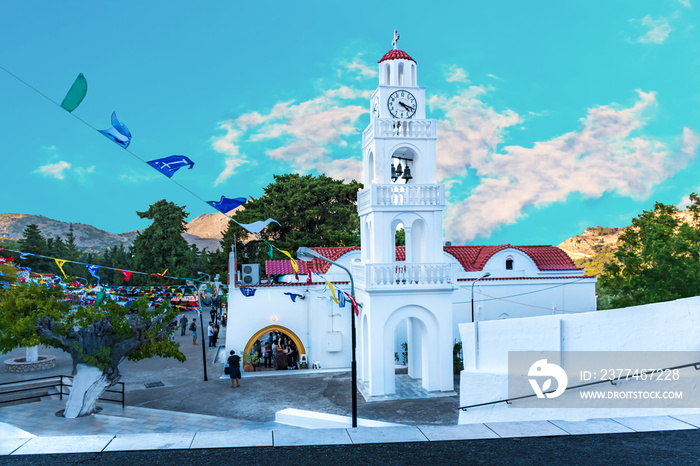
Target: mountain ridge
x=88 y=237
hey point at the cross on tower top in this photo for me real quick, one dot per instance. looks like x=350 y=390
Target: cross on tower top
x=396 y=38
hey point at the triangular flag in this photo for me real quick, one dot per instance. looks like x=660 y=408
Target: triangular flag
x=93 y=271
x=354 y=303
x=341 y=298
x=59 y=263
x=257 y=227
x=270 y=252
x=118 y=133
x=169 y=165
x=330 y=285
x=227 y=205
x=4 y=260
x=127 y=274
x=295 y=266
x=75 y=94
x=161 y=275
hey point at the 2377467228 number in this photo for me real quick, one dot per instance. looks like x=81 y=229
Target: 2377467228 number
x=636 y=374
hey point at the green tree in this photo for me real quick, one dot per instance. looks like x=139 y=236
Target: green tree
x=33 y=242
x=658 y=259
x=161 y=245
x=98 y=337
x=311 y=210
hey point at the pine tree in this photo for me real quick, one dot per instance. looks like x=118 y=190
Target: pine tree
x=161 y=245
x=33 y=242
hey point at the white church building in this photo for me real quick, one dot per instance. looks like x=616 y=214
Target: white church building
x=411 y=296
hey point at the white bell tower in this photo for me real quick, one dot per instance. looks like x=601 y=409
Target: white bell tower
x=414 y=283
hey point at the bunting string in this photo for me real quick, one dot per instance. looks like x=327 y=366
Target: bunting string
x=121 y=135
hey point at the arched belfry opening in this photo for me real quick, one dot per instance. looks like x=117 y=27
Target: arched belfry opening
x=403 y=165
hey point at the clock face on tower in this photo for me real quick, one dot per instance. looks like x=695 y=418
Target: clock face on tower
x=402 y=104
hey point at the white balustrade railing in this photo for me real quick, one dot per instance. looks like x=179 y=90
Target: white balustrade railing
x=401 y=195
x=401 y=274
x=389 y=127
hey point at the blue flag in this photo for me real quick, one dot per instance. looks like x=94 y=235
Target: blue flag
x=118 y=133
x=93 y=271
x=226 y=205
x=341 y=299
x=24 y=255
x=247 y=292
x=169 y=165
x=294 y=296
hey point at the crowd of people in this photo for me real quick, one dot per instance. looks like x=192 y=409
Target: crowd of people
x=275 y=351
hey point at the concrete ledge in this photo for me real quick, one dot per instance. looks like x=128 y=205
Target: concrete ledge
x=314 y=420
x=21 y=365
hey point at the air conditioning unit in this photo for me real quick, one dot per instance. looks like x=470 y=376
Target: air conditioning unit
x=250 y=274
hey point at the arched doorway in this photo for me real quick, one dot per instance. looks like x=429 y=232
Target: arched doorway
x=275 y=328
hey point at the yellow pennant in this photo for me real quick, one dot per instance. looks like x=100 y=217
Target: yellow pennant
x=295 y=266
x=330 y=285
x=59 y=263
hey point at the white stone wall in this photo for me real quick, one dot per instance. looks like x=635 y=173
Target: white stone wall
x=668 y=326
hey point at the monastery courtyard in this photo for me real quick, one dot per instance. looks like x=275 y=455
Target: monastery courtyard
x=188 y=417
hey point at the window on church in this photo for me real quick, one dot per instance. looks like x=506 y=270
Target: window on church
x=401 y=83
x=388 y=74
x=509 y=264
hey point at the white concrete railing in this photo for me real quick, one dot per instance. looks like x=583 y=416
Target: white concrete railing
x=390 y=127
x=402 y=194
x=400 y=274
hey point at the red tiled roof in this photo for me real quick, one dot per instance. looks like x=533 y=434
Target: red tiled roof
x=555 y=277
x=471 y=258
x=474 y=258
x=284 y=267
x=396 y=55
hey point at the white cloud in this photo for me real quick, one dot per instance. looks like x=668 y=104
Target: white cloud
x=307 y=130
x=359 y=68
x=494 y=77
x=658 y=32
x=456 y=74
x=603 y=155
x=685 y=3
x=54 y=170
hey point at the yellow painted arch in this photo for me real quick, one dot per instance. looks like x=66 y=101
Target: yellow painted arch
x=275 y=328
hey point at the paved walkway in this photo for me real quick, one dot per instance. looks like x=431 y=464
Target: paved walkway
x=132 y=428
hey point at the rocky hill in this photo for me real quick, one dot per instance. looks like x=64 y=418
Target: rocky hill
x=210 y=225
x=594 y=248
x=87 y=237
x=592 y=241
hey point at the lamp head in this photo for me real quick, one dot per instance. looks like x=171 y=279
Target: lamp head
x=487 y=274
x=306 y=254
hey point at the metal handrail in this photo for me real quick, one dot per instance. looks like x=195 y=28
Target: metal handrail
x=58 y=382
x=696 y=365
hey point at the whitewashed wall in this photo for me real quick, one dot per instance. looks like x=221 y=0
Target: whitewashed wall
x=668 y=326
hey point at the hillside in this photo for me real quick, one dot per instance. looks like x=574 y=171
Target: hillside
x=210 y=225
x=87 y=237
x=594 y=248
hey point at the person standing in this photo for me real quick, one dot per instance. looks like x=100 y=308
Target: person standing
x=216 y=333
x=183 y=325
x=267 y=351
x=193 y=329
x=234 y=369
x=210 y=334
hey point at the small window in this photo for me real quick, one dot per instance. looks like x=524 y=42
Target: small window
x=509 y=264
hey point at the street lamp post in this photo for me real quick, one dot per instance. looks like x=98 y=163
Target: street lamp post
x=201 y=324
x=307 y=254
x=487 y=274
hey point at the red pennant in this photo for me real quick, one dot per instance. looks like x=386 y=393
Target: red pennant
x=127 y=275
x=4 y=260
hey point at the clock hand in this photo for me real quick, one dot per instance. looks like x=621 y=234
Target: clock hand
x=407 y=107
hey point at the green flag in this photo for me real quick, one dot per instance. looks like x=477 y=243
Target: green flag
x=76 y=94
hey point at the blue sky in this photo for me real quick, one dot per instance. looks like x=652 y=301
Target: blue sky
x=552 y=116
